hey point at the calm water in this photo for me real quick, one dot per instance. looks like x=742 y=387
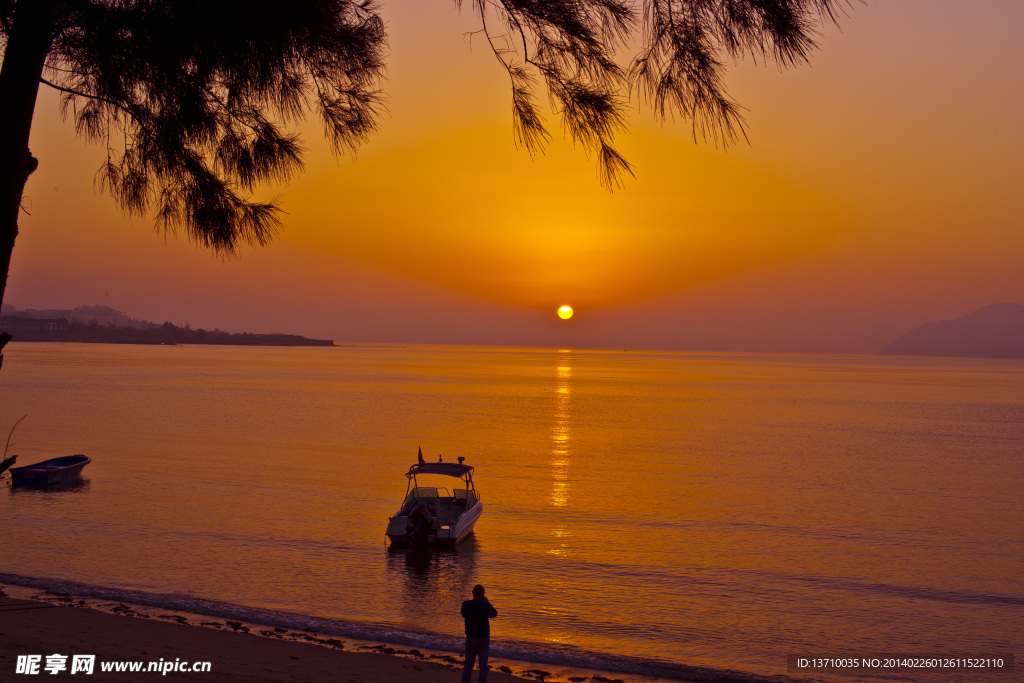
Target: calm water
x=716 y=510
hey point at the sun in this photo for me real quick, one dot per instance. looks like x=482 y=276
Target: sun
x=565 y=312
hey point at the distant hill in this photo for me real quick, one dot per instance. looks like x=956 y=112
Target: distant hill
x=995 y=331
x=102 y=324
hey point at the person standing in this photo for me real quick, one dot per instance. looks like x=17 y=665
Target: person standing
x=477 y=612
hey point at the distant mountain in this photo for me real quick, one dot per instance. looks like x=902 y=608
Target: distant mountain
x=102 y=324
x=995 y=331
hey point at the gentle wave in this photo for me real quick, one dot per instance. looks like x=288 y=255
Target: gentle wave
x=914 y=592
x=368 y=631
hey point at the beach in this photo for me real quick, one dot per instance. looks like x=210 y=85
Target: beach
x=31 y=627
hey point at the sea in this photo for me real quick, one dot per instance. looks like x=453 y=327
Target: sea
x=655 y=515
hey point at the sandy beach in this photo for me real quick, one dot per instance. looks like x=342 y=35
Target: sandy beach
x=29 y=627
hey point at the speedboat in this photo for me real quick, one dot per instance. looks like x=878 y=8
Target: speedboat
x=432 y=515
x=53 y=471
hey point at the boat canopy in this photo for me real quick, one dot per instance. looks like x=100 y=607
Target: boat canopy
x=449 y=469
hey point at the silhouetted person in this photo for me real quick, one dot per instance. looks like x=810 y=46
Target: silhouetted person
x=477 y=612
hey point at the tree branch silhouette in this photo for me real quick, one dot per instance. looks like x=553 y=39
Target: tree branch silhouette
x=201 y=96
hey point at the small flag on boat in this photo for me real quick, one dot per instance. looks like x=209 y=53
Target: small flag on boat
x=419 y=454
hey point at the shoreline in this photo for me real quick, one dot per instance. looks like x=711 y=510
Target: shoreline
x=39 y=622
x=40 y=628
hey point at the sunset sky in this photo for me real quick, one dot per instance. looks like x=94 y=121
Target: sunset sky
x=881 y=189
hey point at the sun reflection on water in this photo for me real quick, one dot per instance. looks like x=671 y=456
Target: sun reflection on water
x=561 y=433
x=560 y=536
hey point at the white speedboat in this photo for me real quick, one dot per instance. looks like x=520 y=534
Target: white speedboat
x=432 y=515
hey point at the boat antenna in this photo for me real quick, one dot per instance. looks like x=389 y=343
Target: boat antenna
x=9 y=435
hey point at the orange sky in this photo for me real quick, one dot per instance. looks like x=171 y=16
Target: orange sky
x=880 y=190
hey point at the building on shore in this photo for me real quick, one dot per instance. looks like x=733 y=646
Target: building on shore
x=14 y=323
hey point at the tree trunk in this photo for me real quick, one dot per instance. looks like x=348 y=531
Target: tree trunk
x=28 y=43
x=27 y=46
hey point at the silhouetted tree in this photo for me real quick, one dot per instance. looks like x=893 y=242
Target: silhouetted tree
x=195 y=100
